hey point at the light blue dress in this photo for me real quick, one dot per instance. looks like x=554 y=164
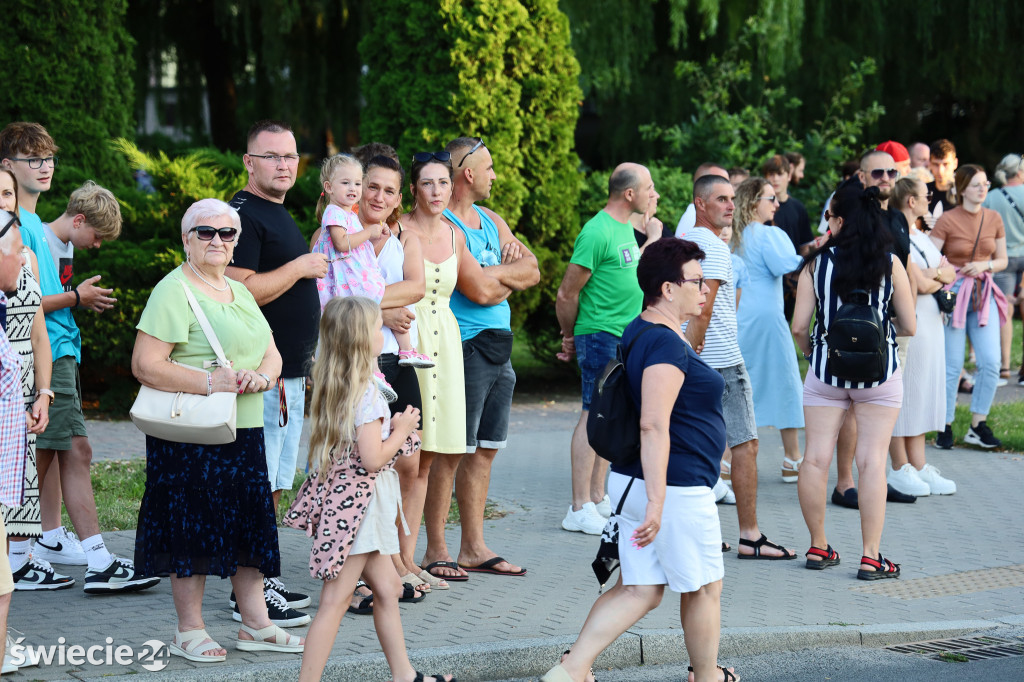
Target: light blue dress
x=764 y=336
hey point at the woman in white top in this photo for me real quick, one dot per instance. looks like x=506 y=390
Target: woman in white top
x=924 y=382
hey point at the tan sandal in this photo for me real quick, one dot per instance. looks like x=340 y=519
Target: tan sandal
x=416 y=582
x=435 y=582
x=270 y=638
x=192 y=645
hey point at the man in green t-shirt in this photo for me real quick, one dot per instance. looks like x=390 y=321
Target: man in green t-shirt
x=598 y=297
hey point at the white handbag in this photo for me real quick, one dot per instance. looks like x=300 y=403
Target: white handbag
x=189 y=417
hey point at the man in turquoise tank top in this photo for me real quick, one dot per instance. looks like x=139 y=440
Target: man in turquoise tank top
x=486 y=347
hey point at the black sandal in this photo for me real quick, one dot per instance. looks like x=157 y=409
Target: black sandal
x=419 y=677
x=411 y=594
x=764 y=542
x=729 y=675
x=829 y=557
x=883 y=569
x=365 y=607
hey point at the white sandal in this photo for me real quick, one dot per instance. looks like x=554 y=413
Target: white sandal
x=792 y=474
x=270 y=638
x=190 y=645
x=726 y=473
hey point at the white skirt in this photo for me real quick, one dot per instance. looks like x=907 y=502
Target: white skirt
x=377 y=531
x=687 y=551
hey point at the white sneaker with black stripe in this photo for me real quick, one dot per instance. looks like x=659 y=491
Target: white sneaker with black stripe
x=277 y=609
x=67 y=549
x=118 y=576
x=38 y=574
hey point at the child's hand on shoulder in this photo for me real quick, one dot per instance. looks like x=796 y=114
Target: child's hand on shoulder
x=406 y=422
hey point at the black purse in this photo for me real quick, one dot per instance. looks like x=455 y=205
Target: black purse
x=944 y=297
x=608 y=551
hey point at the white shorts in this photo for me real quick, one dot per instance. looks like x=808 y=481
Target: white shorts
x=687 y=551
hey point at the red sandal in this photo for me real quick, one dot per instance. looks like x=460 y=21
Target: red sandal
x=829 y=557
x=883 y=569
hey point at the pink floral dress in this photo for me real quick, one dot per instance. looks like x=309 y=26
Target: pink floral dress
x=351 y=510
x=354 y=273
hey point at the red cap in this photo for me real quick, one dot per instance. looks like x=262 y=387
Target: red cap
x=894 y=149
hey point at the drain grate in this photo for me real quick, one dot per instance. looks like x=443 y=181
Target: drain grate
x=971 y=648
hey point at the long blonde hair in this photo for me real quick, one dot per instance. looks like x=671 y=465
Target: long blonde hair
x=747 y=196
x=341 y=374
x=327 y=170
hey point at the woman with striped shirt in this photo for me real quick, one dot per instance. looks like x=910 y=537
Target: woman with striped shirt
x=857 y=256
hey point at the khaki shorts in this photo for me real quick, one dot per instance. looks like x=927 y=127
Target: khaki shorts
x=66 y=419
x=6 y=578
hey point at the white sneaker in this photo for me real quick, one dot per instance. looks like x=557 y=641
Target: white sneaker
x=604 y=507
x=587 y=520
x=730 y=497
x=65 y=550
x=906 y=480
x=936 y=483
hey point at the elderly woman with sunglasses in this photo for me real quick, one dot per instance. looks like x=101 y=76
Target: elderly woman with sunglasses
x=446 y=262
x=207 y=509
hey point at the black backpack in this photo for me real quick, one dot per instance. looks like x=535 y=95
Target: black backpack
x=857 y=341
x=613 y=425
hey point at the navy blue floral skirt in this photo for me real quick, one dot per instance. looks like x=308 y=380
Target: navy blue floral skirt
x=207 y=509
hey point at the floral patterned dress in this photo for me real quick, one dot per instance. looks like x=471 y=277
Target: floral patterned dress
x=354 y=273
x=351 y=511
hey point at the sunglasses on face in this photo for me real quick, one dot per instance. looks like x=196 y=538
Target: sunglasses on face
x=427 y=157
x=206 y=233
x=479 y=143
x=879 y=173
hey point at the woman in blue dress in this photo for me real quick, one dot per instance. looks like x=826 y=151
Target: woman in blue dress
x=765 y=339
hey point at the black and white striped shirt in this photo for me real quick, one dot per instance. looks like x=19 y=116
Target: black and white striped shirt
x=827 y=306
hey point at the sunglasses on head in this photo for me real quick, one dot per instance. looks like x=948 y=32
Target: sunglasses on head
x=9 y=220
x=479 y=143
x=206 y=233
x=427 y=157
x=879 y=172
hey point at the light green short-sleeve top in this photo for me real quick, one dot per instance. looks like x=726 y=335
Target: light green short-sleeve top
x=240 y=327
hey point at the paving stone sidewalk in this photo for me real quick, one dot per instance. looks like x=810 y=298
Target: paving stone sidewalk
x=962 y=559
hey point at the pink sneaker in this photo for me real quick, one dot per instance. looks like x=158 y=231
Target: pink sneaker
x=384 y=387
x=413 y=358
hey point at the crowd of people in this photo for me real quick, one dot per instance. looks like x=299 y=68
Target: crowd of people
x=401 y=320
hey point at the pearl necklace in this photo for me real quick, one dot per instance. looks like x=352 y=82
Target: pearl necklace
x=206 y=281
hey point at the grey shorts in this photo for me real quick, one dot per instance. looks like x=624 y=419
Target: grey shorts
x=738 y=406
x=489 y=389
x=1008 y=280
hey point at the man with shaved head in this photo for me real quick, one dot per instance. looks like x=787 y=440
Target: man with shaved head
x=715 y=336
x=689 y=218
x=598 y=297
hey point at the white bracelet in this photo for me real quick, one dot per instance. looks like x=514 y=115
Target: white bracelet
x=209 y=384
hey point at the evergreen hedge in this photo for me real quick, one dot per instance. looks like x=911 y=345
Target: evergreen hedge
x=503 y=70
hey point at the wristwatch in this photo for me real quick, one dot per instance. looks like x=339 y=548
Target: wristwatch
x=265 y=378
x=990 y=266
x=47 y=392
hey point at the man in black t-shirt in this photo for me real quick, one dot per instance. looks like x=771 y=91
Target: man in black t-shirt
x=943 y=164
x=273 y=261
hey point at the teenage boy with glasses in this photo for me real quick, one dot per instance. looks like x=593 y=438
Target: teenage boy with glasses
x=92 y=217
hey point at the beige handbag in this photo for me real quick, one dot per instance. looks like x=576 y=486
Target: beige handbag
x=189 y=417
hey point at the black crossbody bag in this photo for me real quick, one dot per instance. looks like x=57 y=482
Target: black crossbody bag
x=944 y=297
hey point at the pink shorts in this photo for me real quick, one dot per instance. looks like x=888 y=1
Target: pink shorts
x=887 y=394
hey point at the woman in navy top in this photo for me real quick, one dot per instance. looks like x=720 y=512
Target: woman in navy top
x=669 y=532
x=856 y=256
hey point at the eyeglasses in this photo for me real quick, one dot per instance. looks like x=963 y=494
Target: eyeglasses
x=878 y=173
x=427 y=157
x=979 y=185
x=36 y=162
x=276 y=158
x=479 y=143
x=206 y=233
x=770 y=200
x=699 y=281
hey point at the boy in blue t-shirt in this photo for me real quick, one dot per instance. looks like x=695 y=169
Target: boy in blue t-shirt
x=92 y=217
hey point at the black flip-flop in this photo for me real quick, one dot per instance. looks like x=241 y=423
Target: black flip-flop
x=446 y=564
x=411 y=594
x=729 y=675
x=489 y=567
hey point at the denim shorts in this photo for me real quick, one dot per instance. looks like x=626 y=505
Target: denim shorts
x=1008 y=280
x=738 y=405
x=593 y=351
x=282 y=443
x=488 y=399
